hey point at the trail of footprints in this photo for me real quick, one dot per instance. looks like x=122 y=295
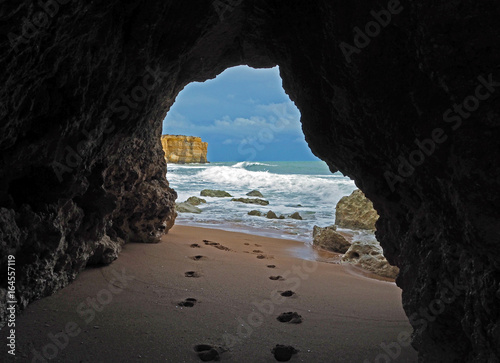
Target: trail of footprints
x=208 y=353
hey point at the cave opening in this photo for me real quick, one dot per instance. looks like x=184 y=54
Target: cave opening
x=255 y=144
x=409 y=68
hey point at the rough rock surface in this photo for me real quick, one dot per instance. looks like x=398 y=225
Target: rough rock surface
x=329 y=239
x=296 y=215
x=318 y=229
x=355 y=211
x=271 y=215
x=251 y=201
x=255 y=193
x=195 y=201
x=180 y=149
x=185 y=207
x=82 y=101
x=214 y=193
x=255 y=213
x=369 y=256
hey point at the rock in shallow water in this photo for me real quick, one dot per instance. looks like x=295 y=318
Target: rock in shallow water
x=329 y=239
x=255 y=213
x=272 y=215
x=214 y=193
x=255 y=193
x=187 y=208
x=195 y=200
x=250 y=201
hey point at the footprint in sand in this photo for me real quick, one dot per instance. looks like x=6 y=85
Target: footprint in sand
x=276 y=278
x=210 y=243
x=258 y=251
x=216 y=245
x=246 y=244
x=261 y=257
x=287 y=293
x=283 y=353
x=195 y=245
x=192 y=274
x=197 y=257
x=188 y=303
x=257 y=245
x=207 y=353
x=271 y=266
x=290 y=317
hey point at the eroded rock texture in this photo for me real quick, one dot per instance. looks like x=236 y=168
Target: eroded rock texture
x=355 y=211
x=182 y=149
x=111 y=69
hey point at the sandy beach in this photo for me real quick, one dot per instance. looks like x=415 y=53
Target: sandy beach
x=230 y=285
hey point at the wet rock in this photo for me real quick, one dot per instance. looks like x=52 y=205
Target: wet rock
x=296 y=215
x=195 y=201
x=214 y=193
x=187 y=208
x=255 y=213
x=329 y=239
x=255 y=193
x=271 y=215
x=250 y=201
x=318 y=229
x=369 y=256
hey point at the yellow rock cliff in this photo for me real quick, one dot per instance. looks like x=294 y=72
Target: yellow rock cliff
x=182 y=149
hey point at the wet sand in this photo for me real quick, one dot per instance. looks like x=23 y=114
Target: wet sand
x=206 y=293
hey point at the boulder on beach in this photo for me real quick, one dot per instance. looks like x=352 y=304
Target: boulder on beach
x=369 y=256
x=255 y=193
x=251 y=201
x=255 y=213
x=187 y=208
x=356 y=212
x=296 y=215
x=318 y=229
x=195 y=201
x=329 y=239
x=271 y=215
x=214 y=193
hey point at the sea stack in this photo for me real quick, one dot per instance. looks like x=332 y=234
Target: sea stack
x=180 y=149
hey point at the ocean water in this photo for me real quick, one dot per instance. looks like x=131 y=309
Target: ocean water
x=305 y=187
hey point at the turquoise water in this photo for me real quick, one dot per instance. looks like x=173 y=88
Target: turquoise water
x=307 y=187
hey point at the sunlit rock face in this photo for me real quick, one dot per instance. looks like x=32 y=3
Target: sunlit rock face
x=355 y=211
x=408 y=108
x=181 y=149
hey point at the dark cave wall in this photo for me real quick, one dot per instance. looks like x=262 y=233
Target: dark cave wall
x=84 y=74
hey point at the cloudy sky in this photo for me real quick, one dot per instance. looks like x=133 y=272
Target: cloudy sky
x=243 y=114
